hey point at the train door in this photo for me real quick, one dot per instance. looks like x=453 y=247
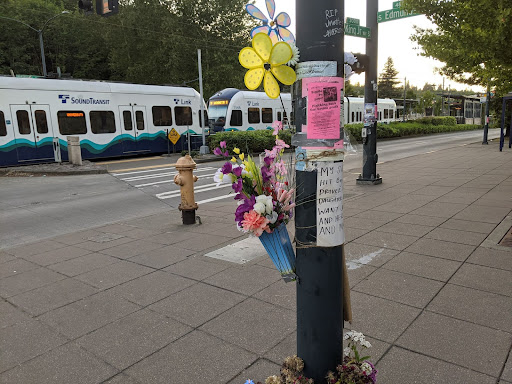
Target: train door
x=33 y=133
x=134 y=125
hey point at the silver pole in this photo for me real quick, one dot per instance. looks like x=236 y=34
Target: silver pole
x=204 y=148
x=40 y=32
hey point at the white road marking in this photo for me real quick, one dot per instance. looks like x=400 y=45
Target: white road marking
x=167 y=181
x=215 y=199
x=358 y=263
x=170 y=195
x=159 y=169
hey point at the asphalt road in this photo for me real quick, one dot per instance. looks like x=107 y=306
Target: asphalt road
x=33 y=208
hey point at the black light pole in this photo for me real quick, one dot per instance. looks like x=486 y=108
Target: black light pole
x=487 y=102
x=320 y=34
x=370 y=157
x=40 y=35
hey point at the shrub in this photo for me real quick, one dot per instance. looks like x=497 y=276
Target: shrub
x=250 y=142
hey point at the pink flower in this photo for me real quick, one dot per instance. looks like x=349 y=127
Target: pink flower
x=253 y=221
x=223 y=144
x=277 y=125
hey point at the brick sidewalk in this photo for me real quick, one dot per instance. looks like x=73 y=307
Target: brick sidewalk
x=138 y=302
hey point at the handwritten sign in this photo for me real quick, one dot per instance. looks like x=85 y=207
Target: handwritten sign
x=333 y=24
x=315 y=69
x=329 y=214
x=324 y=105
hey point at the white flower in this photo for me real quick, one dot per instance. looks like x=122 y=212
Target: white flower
x=366 y=368
x=260 y=208
x=348 y=71
x=273 y=217
x=295 y=56
x=219 y=177
x=267 y=202
x=349 y=58
x=366 y=344
x=346 y=351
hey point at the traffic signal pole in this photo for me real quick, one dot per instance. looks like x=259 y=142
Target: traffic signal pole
x=318 y=92
x=370 y=157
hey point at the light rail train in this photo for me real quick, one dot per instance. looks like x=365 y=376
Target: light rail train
x=110 y=119
x=235 y=110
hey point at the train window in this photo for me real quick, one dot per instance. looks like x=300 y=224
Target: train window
x=127 y=119
x=254 y=115
x=266 y=115
x=285 y=118
x=352 y=117
x=278 y=116
x=385 y=113
x=3 y=128
x=162 y=116
x=23 y=122
x=359 y=116
x=41 y=122
x=71 y=122
x=477 y=110
x=292 y=118
x=183 y=115
x=236 y=119
x=102 y=122
x=139 y=120
x=380 y=115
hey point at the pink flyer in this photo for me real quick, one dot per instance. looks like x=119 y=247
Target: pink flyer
x=324 y=107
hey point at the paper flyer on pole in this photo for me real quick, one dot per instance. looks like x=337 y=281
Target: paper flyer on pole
x=324 y=106
x=329 y=194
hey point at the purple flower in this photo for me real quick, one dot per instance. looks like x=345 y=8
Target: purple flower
x=223 y=144
x=217 y=151
x=225 y=154
x=227 y=168
x=237 y=186
x=246 y=206
x=268 y=160
x=237 y=171
x=266 y=174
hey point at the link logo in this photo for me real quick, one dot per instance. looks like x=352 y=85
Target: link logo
x=64 y=98
x=182 y=102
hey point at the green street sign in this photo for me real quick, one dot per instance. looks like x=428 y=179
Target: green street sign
x=352 y=21
x=393 y=14
x=397 y=4
x=358 y=31
x=30 y=76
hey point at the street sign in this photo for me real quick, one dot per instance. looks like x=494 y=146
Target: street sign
x=352 y=21
x=358 y=31
x=174 y=136
x=30 y=76
x=395 y=13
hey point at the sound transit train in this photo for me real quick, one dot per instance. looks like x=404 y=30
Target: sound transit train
x=235 y=110
x=111 y=119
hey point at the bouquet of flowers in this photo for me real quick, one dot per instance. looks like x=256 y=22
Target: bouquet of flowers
x=263 y=192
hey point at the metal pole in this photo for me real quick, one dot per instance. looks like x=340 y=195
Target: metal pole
x=41 y=45
x=370 y=157
x=487 y=102
x=168 y=148
x=405 y=85
x=319 y=269
x=204 y=148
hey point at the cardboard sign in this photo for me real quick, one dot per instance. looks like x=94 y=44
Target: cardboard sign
x=329 y=195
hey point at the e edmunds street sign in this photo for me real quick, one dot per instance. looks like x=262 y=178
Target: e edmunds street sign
x=395 y=13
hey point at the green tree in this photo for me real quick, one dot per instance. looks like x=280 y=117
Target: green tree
x=388 y=82
x=472 y=38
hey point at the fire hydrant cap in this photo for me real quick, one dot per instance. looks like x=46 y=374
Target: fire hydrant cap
x=185 y=162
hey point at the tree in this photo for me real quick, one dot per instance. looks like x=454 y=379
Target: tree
x=388 y=81
x=472 y=38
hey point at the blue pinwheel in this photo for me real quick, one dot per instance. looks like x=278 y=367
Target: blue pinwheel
x=276 y=27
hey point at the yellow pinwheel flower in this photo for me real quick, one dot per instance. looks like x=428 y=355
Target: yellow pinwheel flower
x=266 y=62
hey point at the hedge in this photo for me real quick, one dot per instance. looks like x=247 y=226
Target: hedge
x=250 y=142
x=255 y=142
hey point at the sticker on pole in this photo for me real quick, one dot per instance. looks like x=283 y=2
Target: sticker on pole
x=174 y=136
x=329 y=195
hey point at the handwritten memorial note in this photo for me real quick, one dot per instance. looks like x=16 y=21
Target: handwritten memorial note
x=324 y=108
x=329 y=215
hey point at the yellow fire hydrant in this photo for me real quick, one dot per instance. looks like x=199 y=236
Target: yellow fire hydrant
x=186 y=179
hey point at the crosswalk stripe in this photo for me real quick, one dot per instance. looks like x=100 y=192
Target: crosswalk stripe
x=214 y=199
x=160 y=169
x=170 y=195
x=168 y=181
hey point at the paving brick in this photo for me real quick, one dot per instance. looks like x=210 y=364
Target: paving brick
x=491 y=258
x=470 y=345
x=76 y=237
x=283 y=349
x=353 y=233
x=213 y=361
x=168 y=238
x=57 y=255
x=402 y=366
x=81 y=317
x=196 y=268
x=358 y=272
x=455 y=236
x=387 y=240
x=380 y=318
x=25 y=340
x=433 y=190
x=430 y=221
x=162 y=257
x=425 y=266
x=406 y=229
x=484 y=278
x=16 y=266
x=439 y=209
x=246 y=280
x=363 y=223
x=206 y=242
x=244 y=325
x=5 y=257
x=484 y=308
x=403 y=288
x=95 y=246
x=280 y=293
x=120 y=379
x=507 y=371
x=197 y=304
x=134 y=248
x=34 y=248
x=378 y=215
x=83 y=264
x=132 y=338
x=152 y=287
x=442 y=249
x=114 y=274
x=484 y=214
x=52 y=296
x=63 y=365
x=26 y=281
x=10 y=315
x=468 y=226
x=257 y=372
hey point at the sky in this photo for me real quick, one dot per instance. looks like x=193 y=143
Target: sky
x=394 y=42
